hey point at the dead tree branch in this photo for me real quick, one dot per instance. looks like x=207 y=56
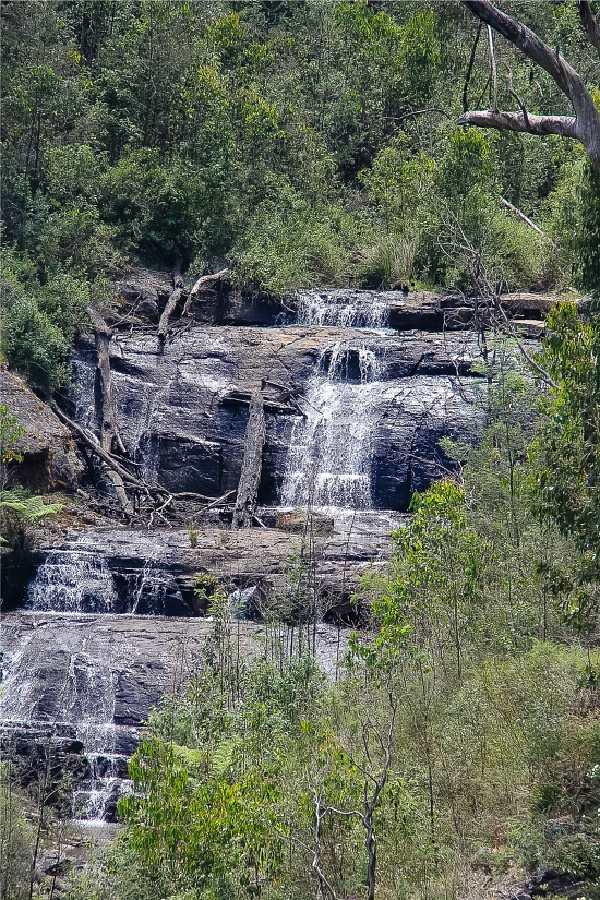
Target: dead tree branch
x=585 y=125
x=201 y=283
x=521 y=216
x=470 y=68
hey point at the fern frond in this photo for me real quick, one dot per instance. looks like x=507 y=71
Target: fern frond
x=29 y=508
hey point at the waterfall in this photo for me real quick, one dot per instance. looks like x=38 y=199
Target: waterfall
x=72 y=581
x=344 y=309
x=78 y=579
x=329 y=460
x=77 y=687
x=95 y=798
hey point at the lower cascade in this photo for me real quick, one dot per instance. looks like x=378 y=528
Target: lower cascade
x=75 y=581
x=78 y=579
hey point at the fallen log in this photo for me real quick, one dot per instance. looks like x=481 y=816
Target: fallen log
x=115 y=467
x=106 y=457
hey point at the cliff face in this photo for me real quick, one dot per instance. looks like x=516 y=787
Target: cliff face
x=49 y=457
x=354 y=391
x=183 y=410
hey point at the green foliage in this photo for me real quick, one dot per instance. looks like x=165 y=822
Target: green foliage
x=588 y=233
x=16 y=840
x=568 y=447
x=19 y=510
x=10 y=432
x=28 y=509
x=39 y=321
x=300 y=143
x=292 y=243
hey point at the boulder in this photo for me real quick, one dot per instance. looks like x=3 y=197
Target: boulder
x=50 y=460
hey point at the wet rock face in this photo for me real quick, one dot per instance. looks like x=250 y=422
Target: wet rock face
x=46 y=759
x=183 y=411
x=77 y=690
x=129 y=571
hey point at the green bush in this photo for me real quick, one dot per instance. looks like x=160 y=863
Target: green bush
x=292 y=244
x=39 y=322
x=171 y=211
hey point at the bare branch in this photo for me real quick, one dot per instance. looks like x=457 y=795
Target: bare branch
x=585 y=127
x=493 y=67
x=200 y=284
x=470 y=68
x=566 y=126
x=521 y=216
x=513 y=93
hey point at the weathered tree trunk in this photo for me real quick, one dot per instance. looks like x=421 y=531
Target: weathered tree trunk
x=585 y=125
x=589 y=22
x=251 y=464
x=110 y=436
x=163 y=325
x=201 y=283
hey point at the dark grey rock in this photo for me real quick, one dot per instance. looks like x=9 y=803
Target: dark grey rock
x=557 y=828
x=547 y=881
x=183 y=409
x=55 y=864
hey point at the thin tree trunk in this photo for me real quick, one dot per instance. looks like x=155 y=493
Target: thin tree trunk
x=163 y=325
x=110 y=436
x=251 y=464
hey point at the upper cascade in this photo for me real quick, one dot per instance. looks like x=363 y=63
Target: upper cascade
x=343 y=309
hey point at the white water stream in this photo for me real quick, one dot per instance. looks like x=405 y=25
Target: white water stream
x=329 y=460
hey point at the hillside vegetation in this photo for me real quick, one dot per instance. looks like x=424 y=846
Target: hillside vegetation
x=456 y=753
x=303 y=143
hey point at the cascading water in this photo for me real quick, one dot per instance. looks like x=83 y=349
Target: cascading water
x=74 y=661
x=72 y=581
x=329 y=461
x=79 y=690
x=96 y=796
x=337 y=308
x=77 y=579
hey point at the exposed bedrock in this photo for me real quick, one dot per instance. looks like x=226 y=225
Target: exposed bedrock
x=143 y=295
x=48 y=456
x=124 y=570
x=350 y=404
x=183 y=409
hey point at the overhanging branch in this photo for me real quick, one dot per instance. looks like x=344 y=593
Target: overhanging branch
x=585 y=127
x=566 y=126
